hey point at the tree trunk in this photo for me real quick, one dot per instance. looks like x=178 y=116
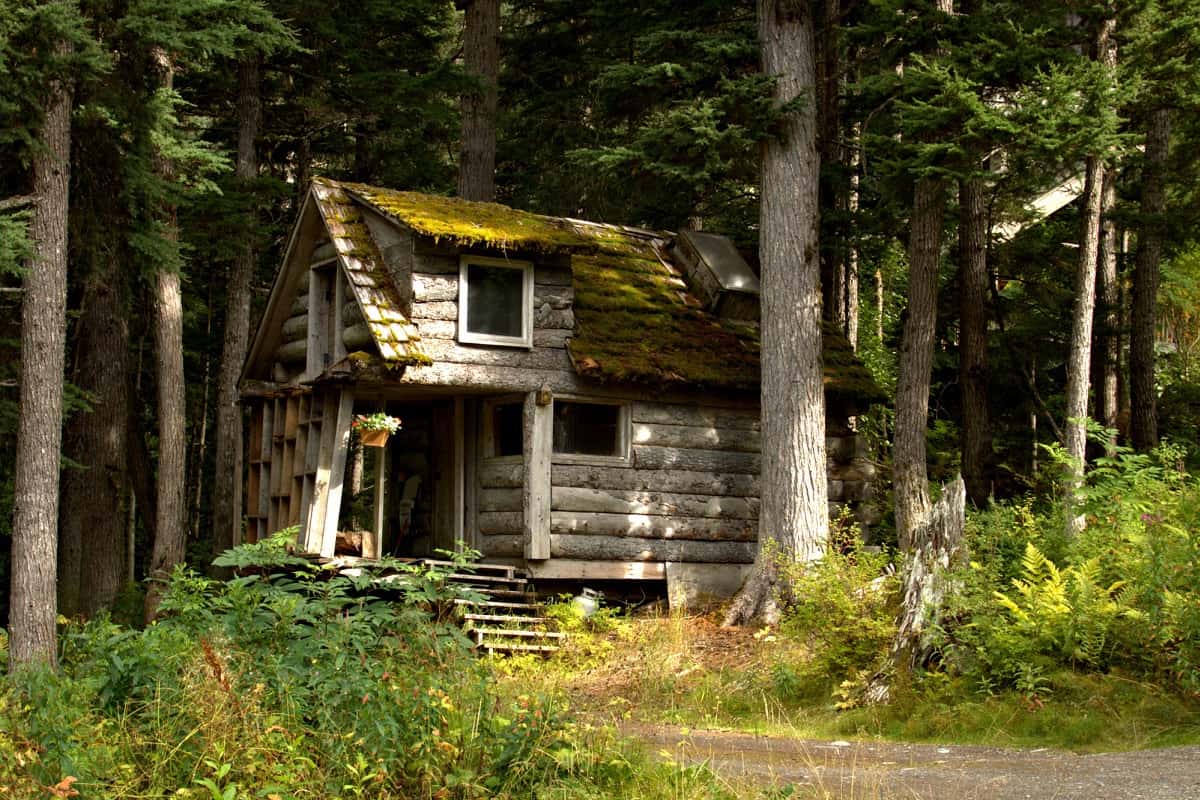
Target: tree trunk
x=32 y=606
x=909 y=476
x=1079 y=360
x=1143 y=397
x=938 y=550
x=227 y=482
x=481 y=47
x=1108 y=300
x=852 y=261
x=93 y=497
x=793 y=522
x=170 y=525
x=973 y=370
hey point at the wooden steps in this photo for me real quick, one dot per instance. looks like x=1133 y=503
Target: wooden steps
x=510 y=618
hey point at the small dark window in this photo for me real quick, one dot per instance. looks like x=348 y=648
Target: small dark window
x=507 y=422
x=495 y=300
x=588 y=429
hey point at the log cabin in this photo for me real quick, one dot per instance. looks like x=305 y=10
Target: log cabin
x=575 y=398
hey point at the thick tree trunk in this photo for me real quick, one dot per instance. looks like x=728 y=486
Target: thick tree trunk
x=793 y=521
x=93 y=497
x=973 y=370
x=852 y=277
x=1108 y=301
x=227 y=482
x=1143 y=324
x=170 y=525
x=1079 y=359
x=481 y=48
x=32 y=606
x=909 y=475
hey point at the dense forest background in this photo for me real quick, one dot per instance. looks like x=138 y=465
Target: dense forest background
x=195 y=128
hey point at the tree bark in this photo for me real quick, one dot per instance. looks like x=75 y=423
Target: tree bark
x=170 y=525
x=93 y=497
x=939 y=550
x=909 y=475
x=227 y=482
x=1143 y=323
x=1108 y=299
x=793 y=525
x=32 y=604
x=1080 y=355
x=477 y=156
x=973 y=361
x=852 y=260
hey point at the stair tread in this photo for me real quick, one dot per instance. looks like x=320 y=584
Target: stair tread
x=514 y=647
x=498 y=604
x=533 y=598
x=464 y=577
x=479 y=567
x=515 y=632
x=503 y=618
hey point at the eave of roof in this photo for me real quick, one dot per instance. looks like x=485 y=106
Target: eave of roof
x=398 y=340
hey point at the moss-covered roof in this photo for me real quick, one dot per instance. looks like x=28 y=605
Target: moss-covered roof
x=366 y=274
x=470 y=223
x=635 y=320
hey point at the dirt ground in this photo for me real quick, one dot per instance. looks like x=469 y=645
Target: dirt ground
x=854 y=770
x=866 y=770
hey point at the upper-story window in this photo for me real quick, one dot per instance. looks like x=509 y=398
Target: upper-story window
x=495 y=301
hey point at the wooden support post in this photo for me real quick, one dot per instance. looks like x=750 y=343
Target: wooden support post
x=458 y=471
x=372 y=543
x=538 y=440
x=337 y=470
x=470 y=474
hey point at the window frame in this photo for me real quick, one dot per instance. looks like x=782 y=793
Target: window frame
x=466 y=336
x=489 y=429
x=624 y=456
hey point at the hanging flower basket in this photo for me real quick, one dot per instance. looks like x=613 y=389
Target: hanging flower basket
x=373 y=438
x=373 y=429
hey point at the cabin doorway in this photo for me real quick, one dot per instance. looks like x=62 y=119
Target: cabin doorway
x=405 y=498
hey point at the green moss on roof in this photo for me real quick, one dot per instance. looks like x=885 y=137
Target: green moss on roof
x=469 y=223
x=634 y=318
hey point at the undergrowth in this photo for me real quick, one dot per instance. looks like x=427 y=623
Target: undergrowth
x=296 y=681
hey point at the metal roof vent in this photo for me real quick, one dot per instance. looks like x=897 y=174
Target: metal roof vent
x=718 y=274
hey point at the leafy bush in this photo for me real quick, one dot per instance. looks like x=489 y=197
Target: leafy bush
x=292 y=680
x=1123 y=594
x=843 y=609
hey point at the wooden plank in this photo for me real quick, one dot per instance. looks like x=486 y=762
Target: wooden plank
x=339 y=447
x=336 y=321
x=372 y=542
x=697 y=437
x=432 y=329
x=470 y=473
x=442 y=309
x=614 y=548
x=651 y=526
x=295 y=328
x=644 y=480
x=502 y=499
x=501 y=474
x=570 y=498
x=704 y=416
x=319 y=288
x=572 y=570
x=545 y=317
x=538 y=433
x=492 y=523
x=450 y=351
x=553 y=297
x=459 y=473
x=649 y=457
x=432 y=288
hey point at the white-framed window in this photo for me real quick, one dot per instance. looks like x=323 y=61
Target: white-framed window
x=495 y=301
x=590 y=430
x=503 y=427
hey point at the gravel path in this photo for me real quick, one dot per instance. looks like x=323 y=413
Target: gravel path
x=887 y=771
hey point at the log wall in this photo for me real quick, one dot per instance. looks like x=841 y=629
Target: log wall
x=688 y=491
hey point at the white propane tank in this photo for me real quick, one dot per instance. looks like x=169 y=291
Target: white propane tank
x=588 y=601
